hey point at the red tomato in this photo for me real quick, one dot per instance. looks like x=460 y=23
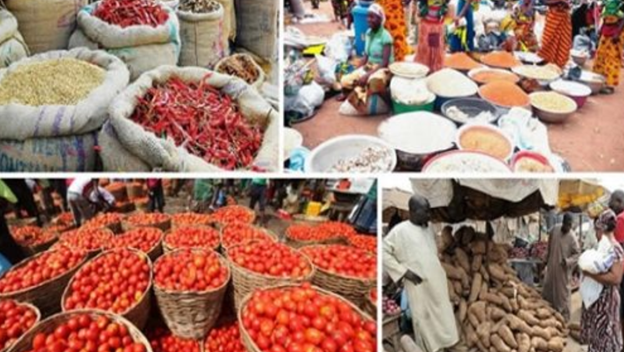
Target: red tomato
x=234 y=213
x=343 y=260
x=147 y=219
x=178 y=271
x=193 y=237
x=162 y=340
x=279 y=259
x=140 y=238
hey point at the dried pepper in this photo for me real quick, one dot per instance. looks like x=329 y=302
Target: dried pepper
x=127 y=13
x=395 y=24
x=202 y=119
x=199 y=6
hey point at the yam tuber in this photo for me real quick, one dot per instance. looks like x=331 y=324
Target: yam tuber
x=483 y=331
x=496 y=313
x=461 y=258
x=539 y=343
x=468 y=234
x=454 y=298
x=528 y=317
x=491 y=297
x=524 y=342
x=478 y=309
x=477 y=280
x=471 y=335
x=550 y=322
x=505 y=333
x=497 y=272
x=543 y=313
x=484 y=273
x=497 y=342
x=518 y=325
x=478 y=247
x=505 y=302
x=457 y=286
x=555 y=344
x=451 y=272
x=540 y=332
x=510 y=292
x=465 y=279
x=477 y=260
x=463 y=310
x=446 y=239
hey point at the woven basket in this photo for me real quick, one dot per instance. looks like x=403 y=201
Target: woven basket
x=138 y=313
x=135 y=190
x=175 y=225
x=369 y=306
x=120 y=194
x=48 y=325
x=300 y=244
x=246 y=281
x=37 y=320
x=93 y=253
x=124 y=208
x=168 y=248
x=32 y=250
x=192 y=314
x=247 y=341
x=142 y=205
x=47 y=295
x=164 y=225
x=252 y=213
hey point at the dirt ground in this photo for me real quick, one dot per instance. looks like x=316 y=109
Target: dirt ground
x=590 y=140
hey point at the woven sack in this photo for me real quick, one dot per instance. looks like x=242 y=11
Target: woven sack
x=12 y=45
x=257 y=26
x=201 y=37
x=251 y=62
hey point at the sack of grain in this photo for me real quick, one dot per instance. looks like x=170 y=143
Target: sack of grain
x=12 y=45
x=229 y=20
x=56 y=154
x=45 y=24
x=202 y=39
x=257 y=26
x=142 y=48
x=127 y=146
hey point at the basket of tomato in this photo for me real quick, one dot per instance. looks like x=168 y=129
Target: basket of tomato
x=190 y=285
x=334 y=323
x=118 y=190
x=233 y=213
x=345 y=270
x=158 y=220
x=66 y=219
x=145 y=239
x=239 y=232
x=16 y=319
x=301 y=235
x=368 y=243
x=162 y=340
x=258 y=264
x=369 y=304
x=40 y=279
x=105 y=332
x=90 y=240
x=33 y=239
x=190 y=219
x=117 y=281
x=111 y=221
x=224 y=337
x=204 y=237
x=124 y=207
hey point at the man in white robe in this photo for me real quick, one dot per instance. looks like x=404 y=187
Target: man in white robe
x=410 y=255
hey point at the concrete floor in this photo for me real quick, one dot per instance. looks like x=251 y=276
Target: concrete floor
x=590 y=140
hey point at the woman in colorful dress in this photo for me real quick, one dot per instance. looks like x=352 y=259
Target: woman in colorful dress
x=600 y=323
x=431 y=49
x=609 y=54
x=557 y=37
x=464 y=37
x=524 y=18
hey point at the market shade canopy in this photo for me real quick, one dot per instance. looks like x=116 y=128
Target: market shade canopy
x=454 y=201
x=395 y=198
x=579 y=193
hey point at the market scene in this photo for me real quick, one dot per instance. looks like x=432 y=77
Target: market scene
x=172 y=265
x=139 y=85
x=503 y=265
x=453 y=86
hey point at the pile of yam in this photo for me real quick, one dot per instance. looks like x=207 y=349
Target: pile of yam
x=494 y=310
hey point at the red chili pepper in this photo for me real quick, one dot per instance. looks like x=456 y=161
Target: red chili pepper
x=127 y=13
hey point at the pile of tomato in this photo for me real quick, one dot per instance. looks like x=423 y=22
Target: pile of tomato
x=270 y=258
x=343 y=260
x=224 y=338
x=239 y=232
x=89 y=239
x=193 y=237
x=309 y=233
x=368 y=243
x=147 y=219
x=233 y=213
x=103 y=220
x=15 y=320
x=140 y=238
x=190 y=270
x=66 y=219
x=37 y=270
x=337 y=229
x=115 y=281
x=86 y=332
x=31 y=235
x=183 y=219
x=162 y=340
x=301 y=319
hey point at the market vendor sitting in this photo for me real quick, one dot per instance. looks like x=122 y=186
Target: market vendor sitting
x=372 y=76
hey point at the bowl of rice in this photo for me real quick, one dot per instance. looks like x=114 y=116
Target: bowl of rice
x=461 y=161
x=552 y=107
x=544 y=75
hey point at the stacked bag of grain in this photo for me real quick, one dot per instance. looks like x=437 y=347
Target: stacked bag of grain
x=201 y=32
x=12 y=45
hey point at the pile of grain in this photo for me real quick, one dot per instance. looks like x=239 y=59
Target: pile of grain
x=449 y=83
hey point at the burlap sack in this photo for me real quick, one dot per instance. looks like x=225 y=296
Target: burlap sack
x=229 y=19
x=261 y=76
x=45 y=24
x=202 y=39
x=62 y=154
x=12 y=45
x=142 y=48
x=64 y=120
x=257 y=26
x=126 y=146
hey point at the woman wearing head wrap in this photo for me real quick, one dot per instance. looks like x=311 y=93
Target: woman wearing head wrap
x=372 y=75
x=431 y=48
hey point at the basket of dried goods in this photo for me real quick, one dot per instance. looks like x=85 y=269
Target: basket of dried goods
x=33 y=239
x=356 y=331
x=189 y=285
x=242 y=66
x=16 y=319
x=116 y=281
x=239 y=232
x=145 y=239
x=162 y=340
x=224 y=334
x=111 y=221
x=158 y=220
x=347 y=271
x=369 y=303
x=191 y=237
x=40 y=279
x=368 y=243
x=107 y=333
x=258 y=264
x=233 y=213
x=90 y=240
x=190 y=219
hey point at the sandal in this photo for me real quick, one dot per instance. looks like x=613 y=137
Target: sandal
x=607 y=90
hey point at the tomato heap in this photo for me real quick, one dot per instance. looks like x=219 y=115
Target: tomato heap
x=308 y=233
x=66 y=219
x=298 y=319
x=162 y=340
x=90 y=239
x=146 y=219
x=239 y=232
x=31 y=235
x=343 y=260
x=15 y=320
x=86 y=332
x=337 y=229
x=37 y=270
x=234 y=213
x=224 y=338
x=141 y=238
x=190 y=270
x=182 y=219
x=103 y=220
x=270 y=258
x=368 y=243
x=193 y=237
x=114 y=281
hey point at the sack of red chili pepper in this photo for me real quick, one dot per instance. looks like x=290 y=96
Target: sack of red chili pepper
x=146 y=30
x=190 y=119
x=200 y=33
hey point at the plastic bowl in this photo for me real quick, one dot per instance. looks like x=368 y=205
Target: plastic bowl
x=552 y=116
x=579 y=57
x=475 y=71
x=324 y=156
x=594 y=81
x=471 y=107
x=458 y=161
x=493 y=129
x=577 y=91
x=526 y=154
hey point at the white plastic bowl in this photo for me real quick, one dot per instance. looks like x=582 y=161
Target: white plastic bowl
x=326 y=155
